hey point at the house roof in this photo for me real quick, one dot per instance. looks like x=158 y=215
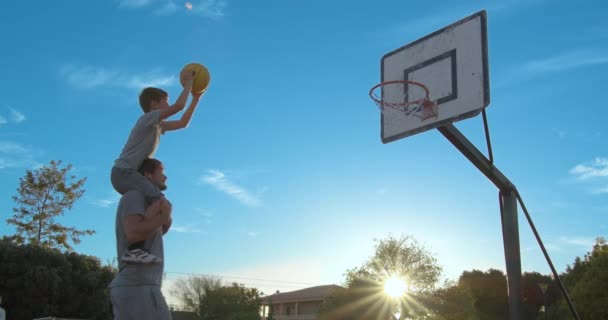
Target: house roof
x=309 y=294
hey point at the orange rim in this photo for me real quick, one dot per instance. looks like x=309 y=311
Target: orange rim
x=378 y=100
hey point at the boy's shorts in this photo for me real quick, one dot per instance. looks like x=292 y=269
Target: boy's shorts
x=125 y=179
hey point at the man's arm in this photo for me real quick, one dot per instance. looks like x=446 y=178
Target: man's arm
x=166 y=208
x=139 y=227
x=167 y=226
x=185 y=119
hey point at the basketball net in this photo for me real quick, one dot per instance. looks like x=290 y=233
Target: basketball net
x=413 y=98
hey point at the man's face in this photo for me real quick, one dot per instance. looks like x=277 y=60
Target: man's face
x=158 y=177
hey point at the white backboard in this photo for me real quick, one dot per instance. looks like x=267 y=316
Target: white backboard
x=453 y=64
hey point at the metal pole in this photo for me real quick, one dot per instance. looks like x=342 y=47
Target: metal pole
x=510 y=233
x=508 y=199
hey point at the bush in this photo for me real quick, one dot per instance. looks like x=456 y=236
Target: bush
x=40 y=282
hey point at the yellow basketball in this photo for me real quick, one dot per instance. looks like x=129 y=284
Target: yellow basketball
x=201 y=77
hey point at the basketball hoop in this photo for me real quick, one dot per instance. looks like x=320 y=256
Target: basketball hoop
x=412 y=100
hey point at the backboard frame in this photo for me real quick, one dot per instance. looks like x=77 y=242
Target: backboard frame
x=451 y=57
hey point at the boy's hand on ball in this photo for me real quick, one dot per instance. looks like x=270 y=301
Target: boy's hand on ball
x=187 y=77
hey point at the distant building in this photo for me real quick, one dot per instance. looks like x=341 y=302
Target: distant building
x=296 y=305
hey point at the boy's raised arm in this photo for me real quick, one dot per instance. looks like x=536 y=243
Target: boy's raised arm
x=186 y=117
x=180 y=103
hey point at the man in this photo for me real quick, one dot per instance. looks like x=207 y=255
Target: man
x=135 y=290
x=2 y=313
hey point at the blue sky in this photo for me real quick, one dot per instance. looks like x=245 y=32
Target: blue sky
x=281 y=180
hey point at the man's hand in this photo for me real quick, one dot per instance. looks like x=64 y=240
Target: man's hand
x=139 y=227
x=153 y=209
x=166 y=210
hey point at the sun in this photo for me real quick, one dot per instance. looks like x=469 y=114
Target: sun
x=395 y=287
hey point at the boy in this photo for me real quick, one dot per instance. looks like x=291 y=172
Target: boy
x=142 y=143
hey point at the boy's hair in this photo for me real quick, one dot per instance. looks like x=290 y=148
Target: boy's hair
x=150 y=94
x=149 y=165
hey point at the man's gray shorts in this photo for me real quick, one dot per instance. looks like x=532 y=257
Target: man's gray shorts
x=139 y=303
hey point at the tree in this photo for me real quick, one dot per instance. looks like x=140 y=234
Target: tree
x=534 y=297
x=489 y=290
x=402 y=258
x=40 y=282
x=233 y=302
x=453 y=302
x=211 y=300
x=191 y=292
x=587 y=280
x=43 y=195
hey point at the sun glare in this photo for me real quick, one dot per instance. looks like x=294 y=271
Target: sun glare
x=395 y=287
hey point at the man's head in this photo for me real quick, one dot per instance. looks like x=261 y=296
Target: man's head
x=155 y=172
x=153 y=98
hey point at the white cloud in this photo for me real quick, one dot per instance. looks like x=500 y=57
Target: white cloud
x=3 y=120
x=17 y=116
x=596 y=168
x=134 y=3
x=186 y=229
x=210 y=9
x=110 y=201
x=88 y=77
x=168 y=9
x=551 y=64
x=579 y=241
x=12 y=148
x=205 y=214
x=218 y=180
x=15 y=155
x=560 y=133
x=602 y=190
x=566 y=61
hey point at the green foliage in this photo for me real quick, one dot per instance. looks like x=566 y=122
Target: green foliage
x=191 y=292
x=477 y=295
x=587 y=280
x=211 y=300
x=453 y=302
x=43 y=195
x=400 y=257
x=489 y=291
x=486 y=292
x=233 y=302
x=36 y=282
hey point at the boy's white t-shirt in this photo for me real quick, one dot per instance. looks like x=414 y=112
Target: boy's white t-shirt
x=142 y=142
x=2 y=314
